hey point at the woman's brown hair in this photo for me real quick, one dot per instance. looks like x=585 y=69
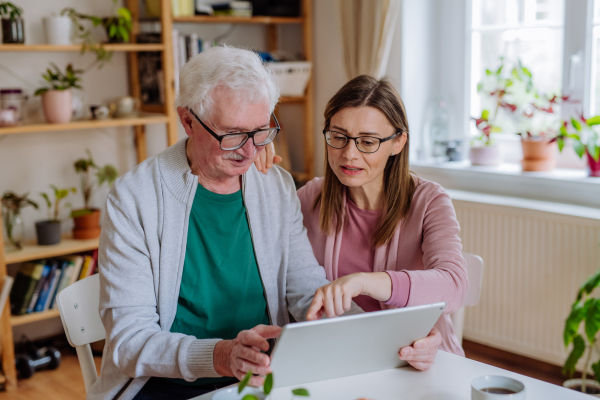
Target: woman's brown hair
x=398 y=182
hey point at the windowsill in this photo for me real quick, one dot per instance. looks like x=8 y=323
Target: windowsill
x=561 y=185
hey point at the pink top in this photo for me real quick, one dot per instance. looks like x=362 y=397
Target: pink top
x=423 y=258
x=358 y=255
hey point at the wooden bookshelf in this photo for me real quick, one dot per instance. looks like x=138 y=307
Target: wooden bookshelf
x=129 y=47
x=292 y=99
x=33 y=317
x=140 y=119
x=31 y=251
x=239 y=20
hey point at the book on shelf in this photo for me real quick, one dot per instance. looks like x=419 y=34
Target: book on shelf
x=38 y=283
x=184 y=48
x=25 y=283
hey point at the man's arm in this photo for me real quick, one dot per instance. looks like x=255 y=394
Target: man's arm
x=128 y=307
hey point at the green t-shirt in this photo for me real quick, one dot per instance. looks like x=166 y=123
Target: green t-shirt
x=221 y=291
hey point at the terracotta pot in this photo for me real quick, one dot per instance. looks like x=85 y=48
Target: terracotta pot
x=485 y=155
x=593 y=166
x=58 y=106
x=538 y=155
x=87 y=226
x=592 y=387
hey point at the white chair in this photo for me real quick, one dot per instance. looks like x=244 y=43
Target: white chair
x=475 y=274
x=78 y=305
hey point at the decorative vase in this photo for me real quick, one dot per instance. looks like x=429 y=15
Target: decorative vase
x=13 y=30
x=58 y=106
x=485 y=155
x=14 y=229
x=48 y=232
x=87 y=226
x=58 y=29
x=593 y=165
x=592 y=387
x=538 y=154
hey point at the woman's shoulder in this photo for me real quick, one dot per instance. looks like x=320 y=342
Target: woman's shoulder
x=425 y=189
x=309 y=192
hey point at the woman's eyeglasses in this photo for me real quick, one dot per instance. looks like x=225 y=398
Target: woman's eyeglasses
x=365 y=144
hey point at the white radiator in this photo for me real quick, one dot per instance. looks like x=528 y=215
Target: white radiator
x=534 y=263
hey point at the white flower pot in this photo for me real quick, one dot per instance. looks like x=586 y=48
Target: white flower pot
x=58 y=30
x=485 y=155
x=575 y=384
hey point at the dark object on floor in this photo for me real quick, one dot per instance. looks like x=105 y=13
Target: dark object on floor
x=36 y=360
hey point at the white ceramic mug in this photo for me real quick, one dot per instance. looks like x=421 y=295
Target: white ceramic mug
x=480 y=388
x=126 y=106
x=58 y=29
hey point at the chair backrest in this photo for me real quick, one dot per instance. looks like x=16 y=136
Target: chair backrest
x=475 y=273
x=78 y=305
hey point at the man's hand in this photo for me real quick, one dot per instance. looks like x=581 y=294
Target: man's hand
x=422 y=352
x=266 y=158
x=238 y=356
x=335 y=299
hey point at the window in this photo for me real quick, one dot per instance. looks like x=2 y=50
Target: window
x=545 y=36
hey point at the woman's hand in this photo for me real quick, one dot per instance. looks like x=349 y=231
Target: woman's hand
x=335 y=299
x=238 y=356
x=422 y=352
x=266 y=158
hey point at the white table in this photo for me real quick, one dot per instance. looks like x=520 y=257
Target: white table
x=449 y=379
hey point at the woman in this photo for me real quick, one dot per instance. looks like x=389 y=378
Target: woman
x=386 y=238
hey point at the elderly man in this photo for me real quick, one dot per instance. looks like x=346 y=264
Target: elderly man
x=201 y=256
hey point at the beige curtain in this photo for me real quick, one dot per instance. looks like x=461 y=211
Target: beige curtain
x=367 y=30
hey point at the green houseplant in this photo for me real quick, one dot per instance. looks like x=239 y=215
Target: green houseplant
x=14 y=228
x=48 y=231
x=118 y=29
x=57 y=99
x=585 y=136
x=87 y=219
x=12 y=23
x=584 y=317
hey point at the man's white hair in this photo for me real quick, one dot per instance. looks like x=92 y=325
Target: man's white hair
x=237 y=69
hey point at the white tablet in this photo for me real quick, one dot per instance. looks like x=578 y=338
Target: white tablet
x=357 y=344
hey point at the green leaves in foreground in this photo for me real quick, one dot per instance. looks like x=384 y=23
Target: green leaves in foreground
x=267 y=387
x=244 y=382
x=268 y=384
x=576 y=353
x=300 y=392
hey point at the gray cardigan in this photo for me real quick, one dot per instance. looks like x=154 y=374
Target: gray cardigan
x=141 y=255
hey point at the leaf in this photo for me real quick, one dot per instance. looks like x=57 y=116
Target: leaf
x=576 y=124
x=576 y=353
x=48 y=202
x=268 y=385
x=593 y=150
x=244 y=382
x=479 y=87
x=561 y=144
x=579 y=148
x=572 y=322
x=590 y=284
x=300 y=392
x=488 y=72
x=485 y=114
x=526 y=71
x=40 y=91
x=499 y=70
x=593 y=121
x=592 y=319
x=112 y=31
x=250 y=397
x=80 y=213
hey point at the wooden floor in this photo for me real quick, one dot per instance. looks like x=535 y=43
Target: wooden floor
x=66 y=383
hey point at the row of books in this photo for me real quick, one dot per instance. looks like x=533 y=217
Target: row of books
x=184 y=48
x=188 y=8
x=38 y=282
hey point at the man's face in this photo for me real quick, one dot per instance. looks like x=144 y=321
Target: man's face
x=229 y=115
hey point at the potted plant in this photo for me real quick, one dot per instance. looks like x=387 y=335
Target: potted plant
x=245 y=392
x=13 y=223
x=48 y=231
x=57 y=99
x=484 y=150
x=584 y=316
x=585 y=139
x=118 y=29
x=87 y=219
x=58 y=29
x=12 y=23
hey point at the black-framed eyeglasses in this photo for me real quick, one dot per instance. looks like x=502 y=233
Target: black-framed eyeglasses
x=365 y=144
x=234 y=141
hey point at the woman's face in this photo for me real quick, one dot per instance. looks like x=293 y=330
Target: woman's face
x=353 y=167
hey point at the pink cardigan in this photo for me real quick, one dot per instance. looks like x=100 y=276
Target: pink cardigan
x=425 y=246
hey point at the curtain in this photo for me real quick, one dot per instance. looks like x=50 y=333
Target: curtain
x=367 y=30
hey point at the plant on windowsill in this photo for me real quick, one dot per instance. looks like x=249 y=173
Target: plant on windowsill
x=13 y=30
x=14 y=227
x=118 y=29
x=48 y=231
x=87 y=219
x=245 y=392
x=584 y=316
x=57 y=99
x=585 y=139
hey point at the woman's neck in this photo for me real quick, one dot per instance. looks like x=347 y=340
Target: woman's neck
x=368 y=196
